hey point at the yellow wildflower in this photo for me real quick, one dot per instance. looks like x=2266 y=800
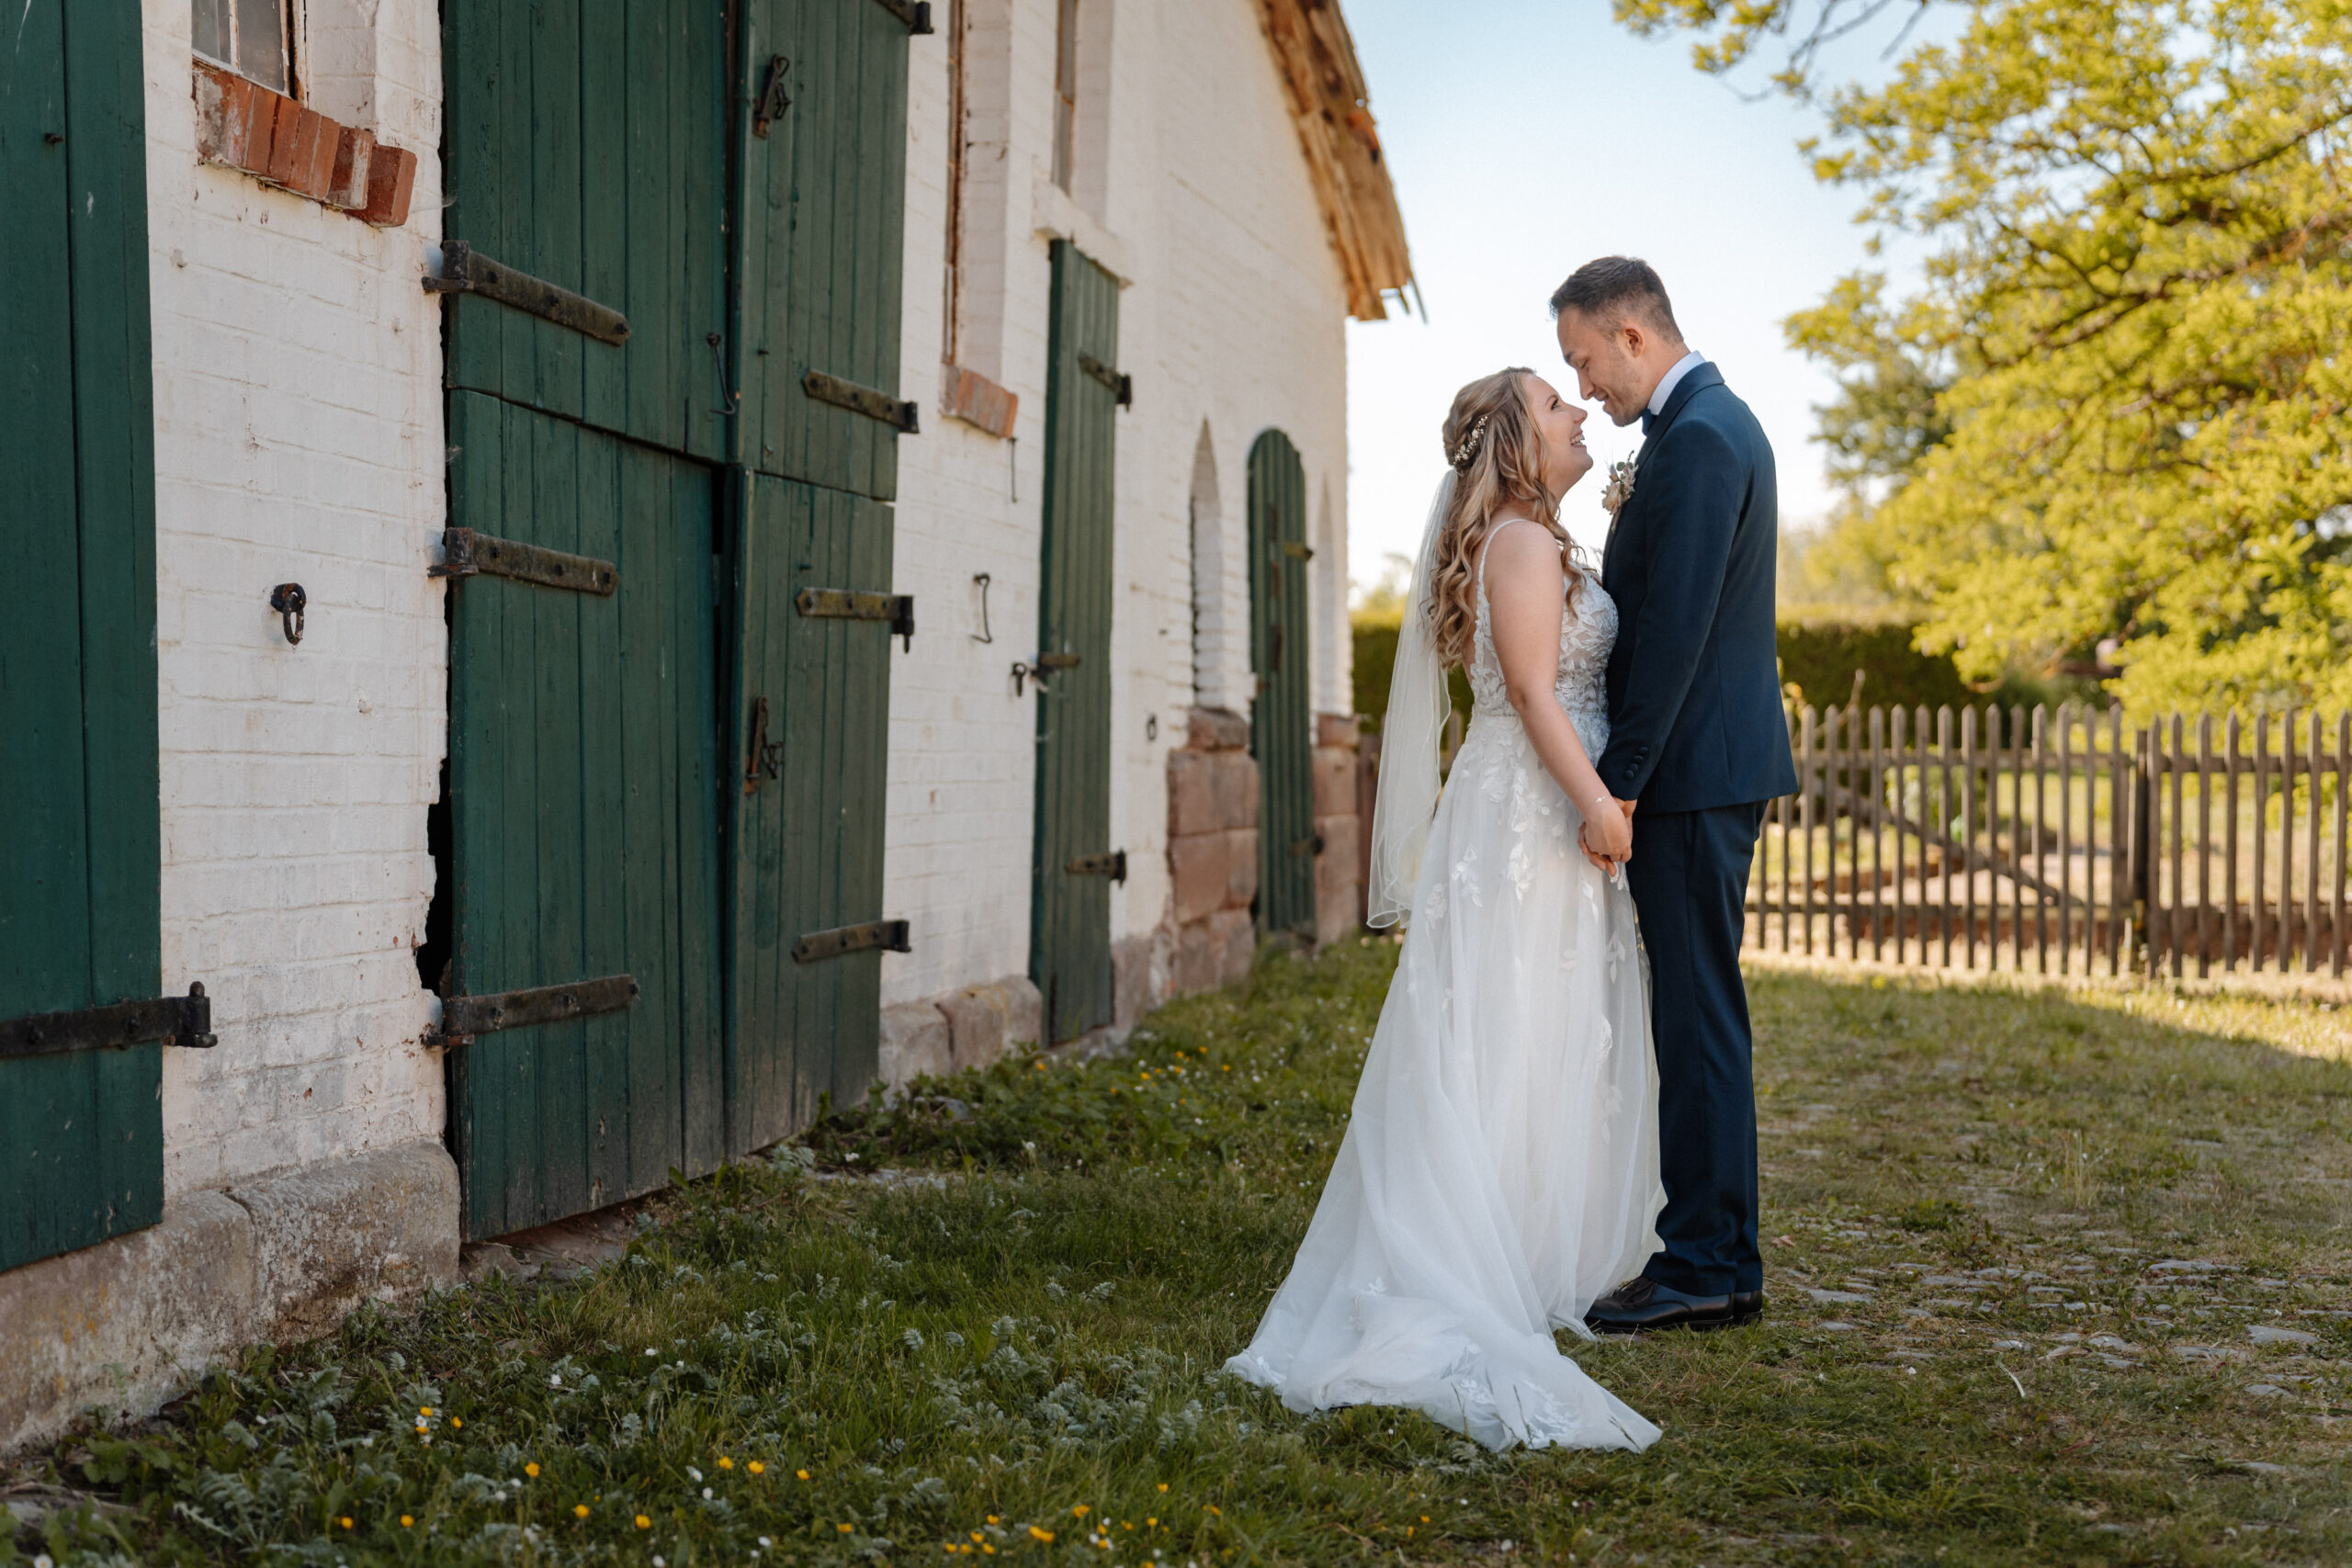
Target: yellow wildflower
x=844 y=1528
x=406 y=1521
x=803 y=1475
x=726 y=1463
x=643 y=1523
x=1040 y=1534
x=532 y=1469
x=581 y=1509
x=1079 y=1512
x=756 y=1468
x=345 y=1521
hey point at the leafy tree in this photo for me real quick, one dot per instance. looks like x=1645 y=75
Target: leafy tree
x=2117 y=407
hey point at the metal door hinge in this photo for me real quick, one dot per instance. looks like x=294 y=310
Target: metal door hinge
x=849 y=395
x=1296 y=551
x=1123 y=388
x=848 y=604
x=916 y=14
x=1112 y=865
x=175 y=1021
x=465 y=270
x=889 y=936
x=462 y=1018
x=1310 y=845
x=468 y=554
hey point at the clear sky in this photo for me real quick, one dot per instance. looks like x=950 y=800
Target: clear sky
x=1526 y=138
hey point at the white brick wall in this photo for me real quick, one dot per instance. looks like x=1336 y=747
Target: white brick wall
x=1232 y=322
x=298 y=438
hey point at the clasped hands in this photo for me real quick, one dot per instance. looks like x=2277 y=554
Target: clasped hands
x=1607 y=845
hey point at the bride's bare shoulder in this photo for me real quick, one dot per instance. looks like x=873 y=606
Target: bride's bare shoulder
x=1520 y=545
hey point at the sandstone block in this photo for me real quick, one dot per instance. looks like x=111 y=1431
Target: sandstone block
x=1233 y=939
x=1216 y=729
x=328 y=1236
x=1336 y=729
x=915 y=1043
x=1334 y=772
x=1234 y=778
x=983 y=1020
x=1240 y=867
x=126 y=1324
x=1201 y=878
x=1192 y=797
x=1342 y=853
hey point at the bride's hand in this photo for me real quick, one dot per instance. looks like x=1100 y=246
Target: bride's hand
x=1607 y=832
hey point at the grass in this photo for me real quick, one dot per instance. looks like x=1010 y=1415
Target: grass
x=2046 y=1222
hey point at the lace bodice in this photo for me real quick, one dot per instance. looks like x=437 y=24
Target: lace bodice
x=1587 y=631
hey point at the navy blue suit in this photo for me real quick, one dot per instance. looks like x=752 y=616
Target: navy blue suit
x=1697 y=736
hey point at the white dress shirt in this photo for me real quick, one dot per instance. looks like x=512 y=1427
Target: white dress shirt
x=1667 y=382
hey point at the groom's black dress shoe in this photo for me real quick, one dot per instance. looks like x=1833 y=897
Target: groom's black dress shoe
x=1642 y=1305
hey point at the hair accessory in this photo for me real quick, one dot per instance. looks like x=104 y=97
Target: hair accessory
x=1467 y=453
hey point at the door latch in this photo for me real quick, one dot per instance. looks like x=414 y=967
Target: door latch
x=765 y=758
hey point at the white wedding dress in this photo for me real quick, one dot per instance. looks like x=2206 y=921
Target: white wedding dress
x=1500 y=1168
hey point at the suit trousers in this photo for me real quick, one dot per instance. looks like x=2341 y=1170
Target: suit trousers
x=1690 y=880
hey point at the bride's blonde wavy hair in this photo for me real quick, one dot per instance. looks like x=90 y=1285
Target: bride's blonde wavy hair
x=1498 y=458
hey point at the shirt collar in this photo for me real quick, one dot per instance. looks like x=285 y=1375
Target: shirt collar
x=1667 y=382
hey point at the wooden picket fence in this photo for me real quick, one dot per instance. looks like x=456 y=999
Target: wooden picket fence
x=2064 y=841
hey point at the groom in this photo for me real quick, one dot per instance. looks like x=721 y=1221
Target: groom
x=1698 y=739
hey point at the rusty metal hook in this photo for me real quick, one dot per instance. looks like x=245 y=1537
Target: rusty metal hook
x=288 y=600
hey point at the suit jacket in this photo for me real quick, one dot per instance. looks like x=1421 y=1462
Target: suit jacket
x=1695 y=718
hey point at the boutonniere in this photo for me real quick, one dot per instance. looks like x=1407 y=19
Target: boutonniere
x=1620 y=487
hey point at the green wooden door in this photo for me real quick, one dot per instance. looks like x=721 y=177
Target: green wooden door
x=583 y=819
x=81 y=1132
x=1281 y=725
x=824 y=172
x=1069 y=952
x=823 y=141
x=587 y=147
x=635 y=154
x=808 y=811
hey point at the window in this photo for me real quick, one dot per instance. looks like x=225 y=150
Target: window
x=1065 y=90
x=252 y=37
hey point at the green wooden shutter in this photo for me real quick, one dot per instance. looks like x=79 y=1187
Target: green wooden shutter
x=1281 y=725
x=81 y=1132
x=808 y=807
x=587 y=147
x=1070 y=913
x=825 y=197
x=583 y=818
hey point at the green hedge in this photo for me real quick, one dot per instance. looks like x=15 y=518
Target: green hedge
x=1818 y=658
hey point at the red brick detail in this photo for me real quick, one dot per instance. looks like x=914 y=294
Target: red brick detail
x=391 y=180
x=243 y=125
x=348 y=188
x=974 y=399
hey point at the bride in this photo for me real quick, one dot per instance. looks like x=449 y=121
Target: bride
x=1500 y=1168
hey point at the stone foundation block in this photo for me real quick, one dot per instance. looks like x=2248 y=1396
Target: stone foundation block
x=1191 y=796
x=983 y=1020
x=915 y=1042
x=1198 y=866
x=326 y=1238
x=1216 y=729
x=1334 y=772
x=128 y=1324
x=1233 y=784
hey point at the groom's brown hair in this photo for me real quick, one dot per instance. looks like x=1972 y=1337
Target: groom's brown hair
x=1615 y=285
